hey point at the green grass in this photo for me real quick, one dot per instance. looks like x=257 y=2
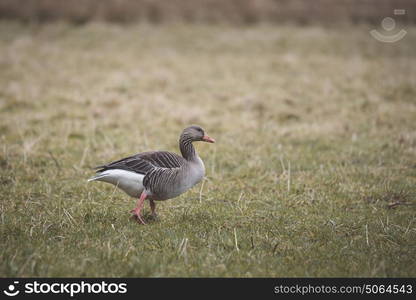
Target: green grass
x=313 y=172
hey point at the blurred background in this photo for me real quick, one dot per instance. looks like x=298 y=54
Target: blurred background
x=211 y=11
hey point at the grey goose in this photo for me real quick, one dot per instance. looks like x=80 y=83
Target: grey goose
x=157 y=175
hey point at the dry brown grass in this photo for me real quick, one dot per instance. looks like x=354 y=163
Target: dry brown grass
x=211 y=11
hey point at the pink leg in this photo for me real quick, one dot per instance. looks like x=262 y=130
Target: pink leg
x=153 y=208
x=139 y=206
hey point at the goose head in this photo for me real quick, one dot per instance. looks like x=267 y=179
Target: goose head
x=196 y=133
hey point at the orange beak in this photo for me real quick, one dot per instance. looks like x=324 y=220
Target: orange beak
x=208 y=139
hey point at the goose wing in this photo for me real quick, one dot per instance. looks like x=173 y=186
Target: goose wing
x=163 y=159
x=144 y=162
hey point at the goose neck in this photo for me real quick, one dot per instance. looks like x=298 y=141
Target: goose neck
x=187 y=149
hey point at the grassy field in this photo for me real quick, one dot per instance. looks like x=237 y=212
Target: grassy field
x=313 y=172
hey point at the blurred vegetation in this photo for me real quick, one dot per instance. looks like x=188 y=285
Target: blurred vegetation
x=207 y=11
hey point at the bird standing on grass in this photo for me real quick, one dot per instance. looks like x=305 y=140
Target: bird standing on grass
x=157 y=175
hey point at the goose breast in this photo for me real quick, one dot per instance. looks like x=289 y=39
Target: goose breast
x=169 y=184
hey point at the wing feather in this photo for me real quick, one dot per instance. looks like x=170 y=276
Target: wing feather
x=144 y=162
